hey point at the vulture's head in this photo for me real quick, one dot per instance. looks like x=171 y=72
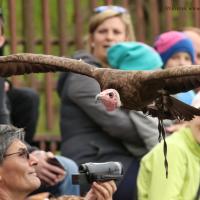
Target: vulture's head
x=110 y=99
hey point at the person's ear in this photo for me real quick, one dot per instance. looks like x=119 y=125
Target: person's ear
x=2 y=40
x=91 y=40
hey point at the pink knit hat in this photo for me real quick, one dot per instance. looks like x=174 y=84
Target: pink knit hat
x=173 y=42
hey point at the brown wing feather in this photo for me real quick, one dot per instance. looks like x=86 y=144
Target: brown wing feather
x=175 y=80
x=175 y=110
x=25 y=63
x=137 y=89
x=182 y=84
x=183 y=111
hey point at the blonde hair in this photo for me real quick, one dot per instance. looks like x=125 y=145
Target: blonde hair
x=192 y=29
x=99 y=18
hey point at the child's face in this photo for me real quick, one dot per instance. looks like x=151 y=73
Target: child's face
x=179 y=59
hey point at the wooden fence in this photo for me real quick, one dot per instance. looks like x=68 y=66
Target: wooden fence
x=58 y=27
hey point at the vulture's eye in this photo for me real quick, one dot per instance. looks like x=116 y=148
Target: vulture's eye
x=111 y=94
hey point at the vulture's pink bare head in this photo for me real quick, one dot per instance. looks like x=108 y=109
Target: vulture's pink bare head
x=110 y=99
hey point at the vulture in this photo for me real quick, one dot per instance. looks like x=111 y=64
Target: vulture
x=137 y=89
x=147 y=91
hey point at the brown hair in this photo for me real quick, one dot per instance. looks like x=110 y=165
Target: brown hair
x=192 y=29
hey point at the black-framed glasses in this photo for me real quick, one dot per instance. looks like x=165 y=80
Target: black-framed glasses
x=117 y=9
x=22 y=153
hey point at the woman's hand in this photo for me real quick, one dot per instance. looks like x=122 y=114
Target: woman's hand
x=48 y=173
x=101 y=191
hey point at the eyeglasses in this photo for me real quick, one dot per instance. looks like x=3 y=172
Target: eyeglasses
x=117 y=9
x=22 y=153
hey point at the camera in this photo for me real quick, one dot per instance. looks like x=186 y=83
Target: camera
x=99 y=172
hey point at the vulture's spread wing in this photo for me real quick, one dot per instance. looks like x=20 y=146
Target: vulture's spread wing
x=25 y=63
x=175 y=80
x=128 y=83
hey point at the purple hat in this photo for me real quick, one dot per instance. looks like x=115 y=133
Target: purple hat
x=173 y=42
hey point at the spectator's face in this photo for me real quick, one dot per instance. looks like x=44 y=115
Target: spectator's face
x=196 y=41
x=179 y=59
x=17 y=171
x=111 y=31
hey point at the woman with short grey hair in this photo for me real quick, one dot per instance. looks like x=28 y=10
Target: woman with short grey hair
x=8 y=133
x=17 y=167
x=18 y=177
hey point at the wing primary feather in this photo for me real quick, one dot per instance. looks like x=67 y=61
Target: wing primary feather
x=174 y=72
x=19 y=64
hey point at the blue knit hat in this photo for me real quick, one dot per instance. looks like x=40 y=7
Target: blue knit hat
x=133 y=56
x=169 y=43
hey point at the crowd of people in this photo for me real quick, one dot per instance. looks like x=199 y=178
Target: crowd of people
x=90 y=133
